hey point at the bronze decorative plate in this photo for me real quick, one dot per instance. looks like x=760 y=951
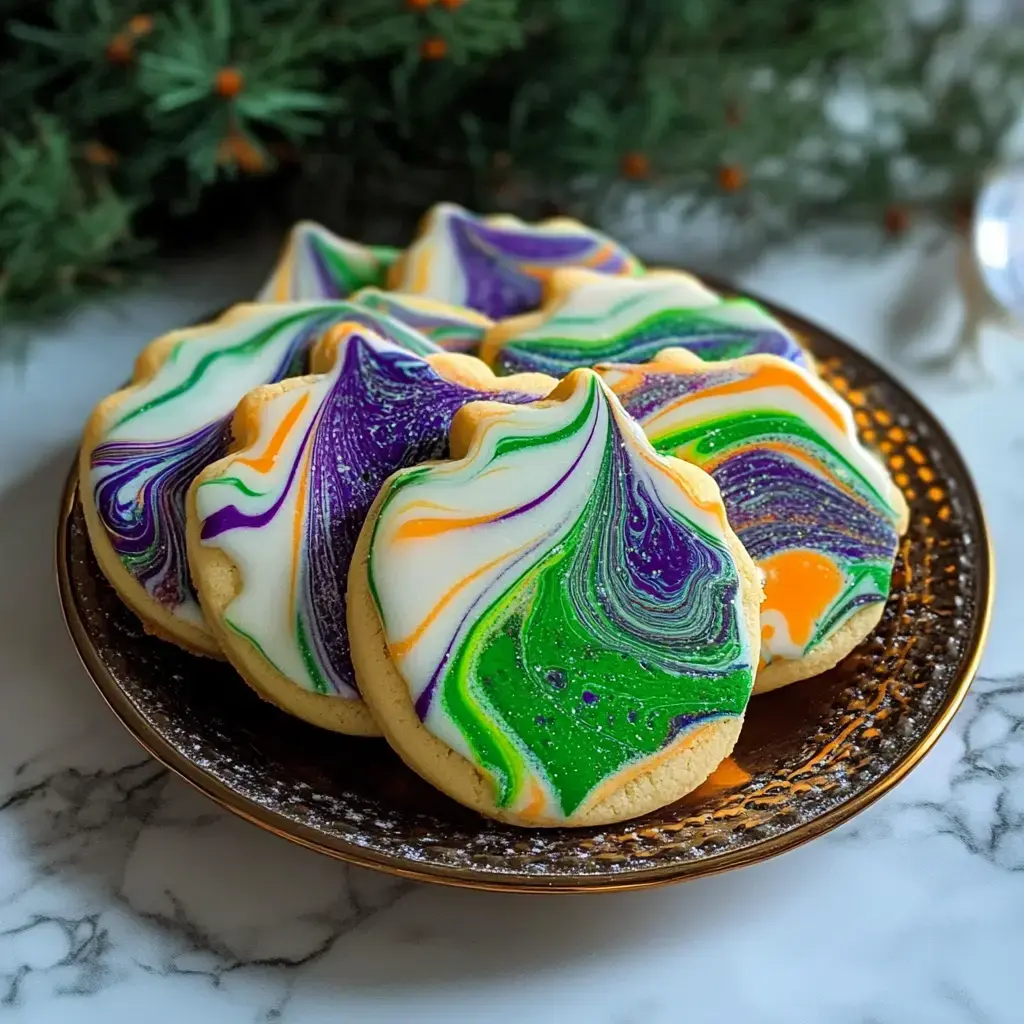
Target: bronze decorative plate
x=810 y=756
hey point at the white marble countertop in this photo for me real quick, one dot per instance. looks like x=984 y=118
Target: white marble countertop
x=126 y=896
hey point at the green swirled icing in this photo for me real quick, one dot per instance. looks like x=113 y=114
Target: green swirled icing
x=815 y=510
x=560 y=604
x=453 y=328
x=163 y=431
x=591 y=318
x=317 y=264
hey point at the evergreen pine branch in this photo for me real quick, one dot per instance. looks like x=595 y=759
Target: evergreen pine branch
x=740 y=102
x=278 y=90
x=62 y=227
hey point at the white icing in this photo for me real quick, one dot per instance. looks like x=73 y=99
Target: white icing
x=776 y=642
x=595 y=307
x=224 y=381
x=698 y=408
x=600 y=305
x=410 y=577
x=474 y=564
x=431 y=265
x=397 y=303
x=263 y=608
x=296 y=275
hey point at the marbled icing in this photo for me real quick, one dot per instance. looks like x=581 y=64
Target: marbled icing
x=287 y=508
x=817 y=511
x=453 y=328
x=561 y=605
x=158 y=434
x=317 y=264
x=591 y=318
x=497 y=265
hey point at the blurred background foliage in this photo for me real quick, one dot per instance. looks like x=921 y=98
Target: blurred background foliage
x=127 y=125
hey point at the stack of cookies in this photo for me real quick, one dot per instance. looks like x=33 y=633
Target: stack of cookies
x=541 y=517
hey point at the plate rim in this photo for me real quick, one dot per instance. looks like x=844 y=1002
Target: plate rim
x=486 y=879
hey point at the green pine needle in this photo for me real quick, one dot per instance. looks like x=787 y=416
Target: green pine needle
x=62 y=227
x=510 y=101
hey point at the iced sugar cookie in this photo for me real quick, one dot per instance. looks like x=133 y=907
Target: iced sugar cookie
x=453 y=328
x=317 y=264
x=559 y=627
x=144 y=445
x=588 y=318
x=496 y=265
x=271 y=527
x=815 y=509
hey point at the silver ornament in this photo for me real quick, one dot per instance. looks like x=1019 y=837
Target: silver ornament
x=997 y=238
x=990 y=262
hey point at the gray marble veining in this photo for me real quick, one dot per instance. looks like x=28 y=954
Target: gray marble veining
x=126 y=896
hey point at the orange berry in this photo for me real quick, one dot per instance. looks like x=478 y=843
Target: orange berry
x=99 y=155
x=237 y=149
x=228 y=82
x=249 y=157
x=731 y=178
x=635 y=166
x=896 y=220
x=418 y=5
x=140 y=25
x=433 y=48
x=119 y=49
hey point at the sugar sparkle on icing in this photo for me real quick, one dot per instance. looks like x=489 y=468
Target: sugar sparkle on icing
x=560 y=605
x=591 y=318
x=453 y=328
x=816 y=511
x=317 y=264
x=288 y=509
x=496 y=265
x=165 y=430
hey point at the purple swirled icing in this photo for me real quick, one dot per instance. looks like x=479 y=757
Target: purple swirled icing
x=165 y=430
x=498 y=265
x=380 y=409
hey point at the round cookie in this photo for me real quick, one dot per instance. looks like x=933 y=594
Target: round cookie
x=496 y=265
x=144 y=445
x=589 y=318
x=558 y=628
x=317 y=264
x=453 y=328
x=817 y=511
x=271 y=527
